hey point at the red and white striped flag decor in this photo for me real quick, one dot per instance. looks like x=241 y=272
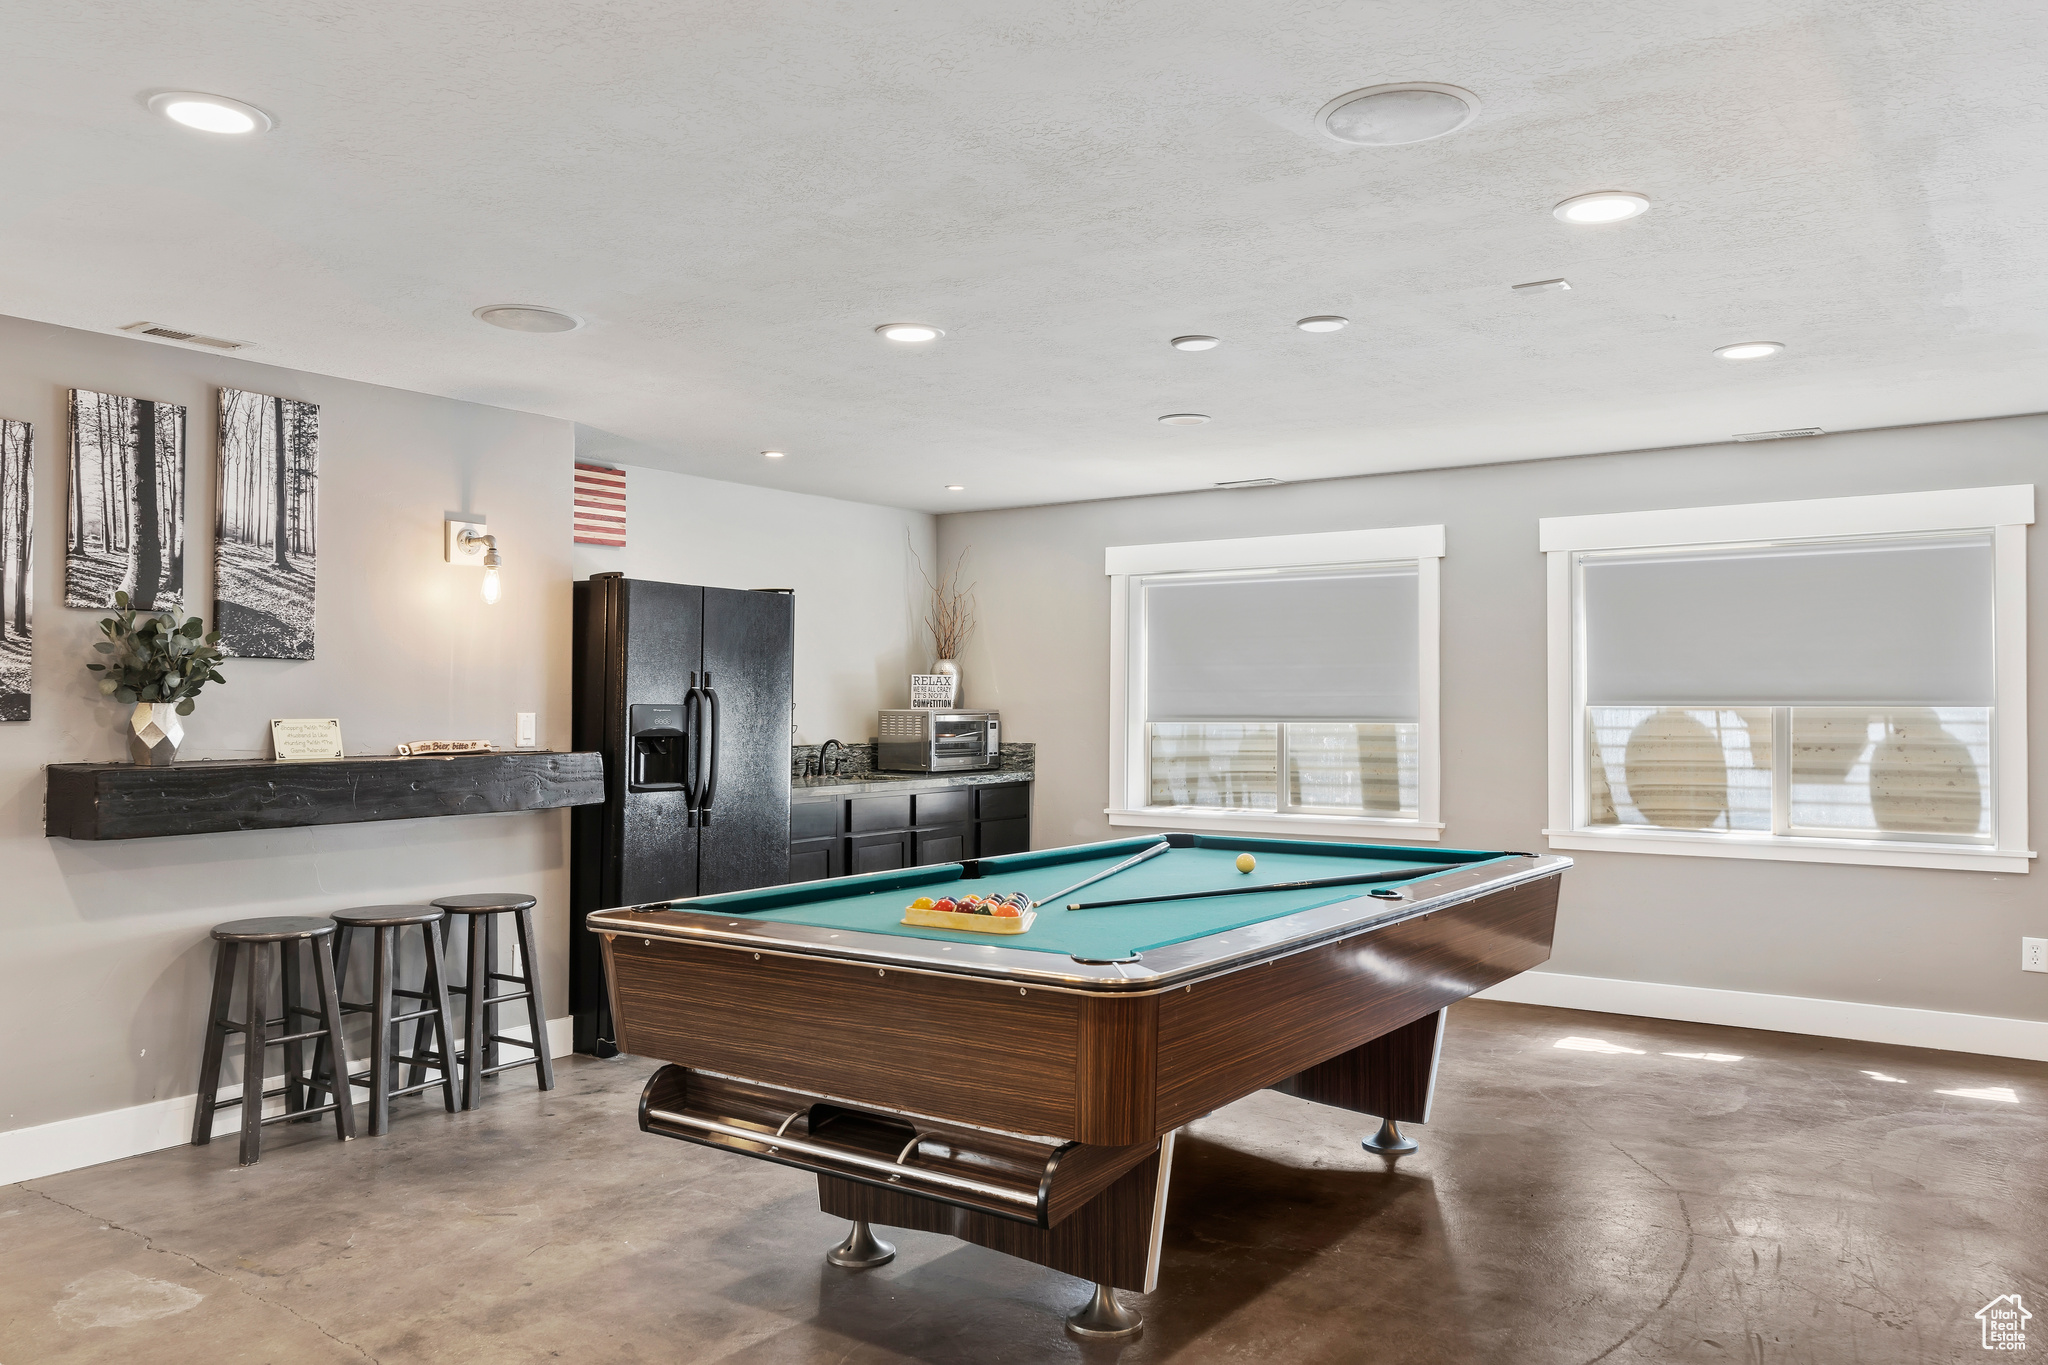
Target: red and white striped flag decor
x=600 y=505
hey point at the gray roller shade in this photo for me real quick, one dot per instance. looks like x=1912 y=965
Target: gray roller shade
x=1328 y=646
x=1897 y=621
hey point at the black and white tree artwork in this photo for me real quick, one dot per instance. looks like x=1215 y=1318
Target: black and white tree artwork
x=125 y=528
x=264 y=535
x=17 y=548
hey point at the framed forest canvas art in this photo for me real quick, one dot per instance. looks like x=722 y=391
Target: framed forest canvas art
x=265 y=540
x=124 y=530
x=17 y=549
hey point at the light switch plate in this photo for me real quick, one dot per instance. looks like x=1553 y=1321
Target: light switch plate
x=525 y=727
x=452 y=546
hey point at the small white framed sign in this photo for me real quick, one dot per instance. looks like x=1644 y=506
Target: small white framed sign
x=305 y=741
x=932 y=691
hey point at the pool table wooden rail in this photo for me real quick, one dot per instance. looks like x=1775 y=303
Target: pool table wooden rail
x=1071 y=1064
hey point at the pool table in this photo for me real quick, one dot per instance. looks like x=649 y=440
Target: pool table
x=1022 y=1091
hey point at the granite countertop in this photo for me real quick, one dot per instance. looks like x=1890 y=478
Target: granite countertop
x=856 y=784
x=1015 y=763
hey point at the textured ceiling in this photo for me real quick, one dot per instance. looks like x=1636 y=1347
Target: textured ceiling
x=735 y=193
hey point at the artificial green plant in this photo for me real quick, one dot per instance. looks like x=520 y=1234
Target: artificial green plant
x=157 y=656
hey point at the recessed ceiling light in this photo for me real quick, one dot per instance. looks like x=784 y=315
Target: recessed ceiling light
x=956 y=488
x=1324 y=322
x=910 y=331
x=1602 y=206
x=1750 y=350
x=1396 y=115
x=527 y=317
x=1251 y=483
x=1196 y=343
x=1543 y=286
x=1185 y=419
x=772 y=454
x=210 y=113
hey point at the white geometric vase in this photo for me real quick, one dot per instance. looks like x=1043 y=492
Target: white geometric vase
x=154 y=733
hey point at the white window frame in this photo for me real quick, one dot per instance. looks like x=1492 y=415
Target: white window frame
x=2005 y=511
x=1128 y=565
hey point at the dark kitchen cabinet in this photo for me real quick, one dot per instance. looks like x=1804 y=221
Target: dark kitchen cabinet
x=839 y=836
x=813 y=860
x=878 y=852
x=946 y=844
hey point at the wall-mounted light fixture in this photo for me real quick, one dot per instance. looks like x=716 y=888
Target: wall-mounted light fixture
x=465 y=542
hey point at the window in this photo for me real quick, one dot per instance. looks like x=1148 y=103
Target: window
x=1839 y=680
x=1277 y=683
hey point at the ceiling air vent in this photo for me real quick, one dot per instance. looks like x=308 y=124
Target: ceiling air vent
x=1251 y=483
x=163 y=333
x=1787 y=434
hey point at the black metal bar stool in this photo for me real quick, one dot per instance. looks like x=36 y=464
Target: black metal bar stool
x=480 y=1007
x=435 y=1027
x=296 y=939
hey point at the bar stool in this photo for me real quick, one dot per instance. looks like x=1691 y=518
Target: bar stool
x=480 y=1008
x=296 y=938
x=385 y=922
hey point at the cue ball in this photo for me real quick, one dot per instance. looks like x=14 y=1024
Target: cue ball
x=1246 y=862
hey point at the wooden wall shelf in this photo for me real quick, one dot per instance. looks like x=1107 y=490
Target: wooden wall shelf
x=122 y=801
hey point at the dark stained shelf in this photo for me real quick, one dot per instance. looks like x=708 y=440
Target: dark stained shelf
x=123 y=801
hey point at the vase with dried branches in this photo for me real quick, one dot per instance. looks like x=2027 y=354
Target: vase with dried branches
x=949 y=614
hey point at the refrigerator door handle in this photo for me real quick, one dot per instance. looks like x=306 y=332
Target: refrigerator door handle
x=693 y=711
x=710 y=750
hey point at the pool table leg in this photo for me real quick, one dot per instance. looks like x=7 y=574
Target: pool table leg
x=861 y=1250
x=1392 y=1077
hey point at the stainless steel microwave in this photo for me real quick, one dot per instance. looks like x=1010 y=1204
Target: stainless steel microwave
x=937 y=741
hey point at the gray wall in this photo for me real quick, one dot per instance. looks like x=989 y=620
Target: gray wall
x=1911 y=937
x=850 y=565
x=103 y=962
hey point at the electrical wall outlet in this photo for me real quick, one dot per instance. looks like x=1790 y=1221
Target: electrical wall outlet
x=2034 y=954
x=525 y=727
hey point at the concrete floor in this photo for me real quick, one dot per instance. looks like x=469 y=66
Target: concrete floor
x=1594 y=1189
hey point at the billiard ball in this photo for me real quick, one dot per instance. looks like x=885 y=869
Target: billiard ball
x=1246 y=862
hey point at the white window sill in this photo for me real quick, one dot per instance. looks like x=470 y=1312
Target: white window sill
x=1868 y=852
x=1199 y=819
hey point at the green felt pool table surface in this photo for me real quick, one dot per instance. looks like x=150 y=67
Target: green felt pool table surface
x=875 y=903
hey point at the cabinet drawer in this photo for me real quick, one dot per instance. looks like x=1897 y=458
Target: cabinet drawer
x=867 y=813
x=948 y=845
x=1010 y=801
x=814 y=859
x=1004 y=836
x=878 y=852
x=814 y=819
x=945 y=808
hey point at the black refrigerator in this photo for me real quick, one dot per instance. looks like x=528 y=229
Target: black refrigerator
x=686 y=691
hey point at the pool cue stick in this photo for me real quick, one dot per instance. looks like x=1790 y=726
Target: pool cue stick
x=1356 y=880
x=1126 y=864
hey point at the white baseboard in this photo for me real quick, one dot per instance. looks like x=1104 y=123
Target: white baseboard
x=70 y=1144
x=1980 y=1033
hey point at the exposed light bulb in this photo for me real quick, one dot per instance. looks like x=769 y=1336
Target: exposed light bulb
x=490 y=587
